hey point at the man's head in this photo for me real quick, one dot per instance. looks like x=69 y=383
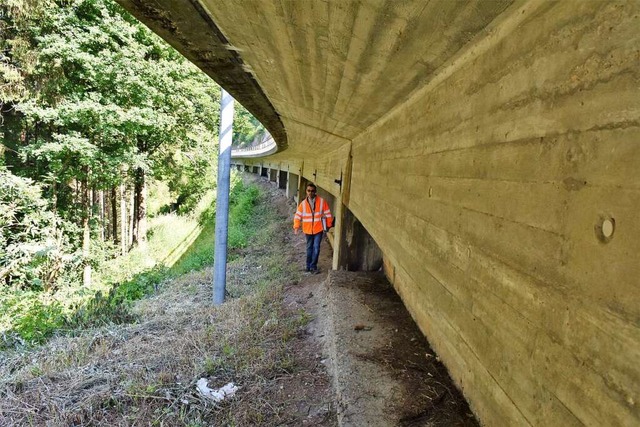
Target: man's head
x=311 y=190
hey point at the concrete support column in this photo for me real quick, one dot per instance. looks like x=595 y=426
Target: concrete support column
x=222 y=198
x=340 y=208
x=338 y=248
x=302 y=188
x=292 y=186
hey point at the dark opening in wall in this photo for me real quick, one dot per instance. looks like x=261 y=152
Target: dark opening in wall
x=358 y=251
x=282 y=180
x=255 y=169
x=247 y=168
x=273 y=175
x=264 y=171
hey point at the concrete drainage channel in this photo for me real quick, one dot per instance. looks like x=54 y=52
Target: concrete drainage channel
x=384 y=372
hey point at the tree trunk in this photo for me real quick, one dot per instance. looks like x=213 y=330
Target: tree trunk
x=86 y=232
x=114 y=215
x=140 y=209
x=100 y=197
x=131 y=217
x=123 y=220
x=107 y=209
x=103 y=222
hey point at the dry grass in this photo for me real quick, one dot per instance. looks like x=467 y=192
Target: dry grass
x=145 y=373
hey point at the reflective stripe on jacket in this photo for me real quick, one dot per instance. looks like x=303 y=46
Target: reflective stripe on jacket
x=311 y=216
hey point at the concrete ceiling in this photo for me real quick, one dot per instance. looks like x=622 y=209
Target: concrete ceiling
x=318 y=73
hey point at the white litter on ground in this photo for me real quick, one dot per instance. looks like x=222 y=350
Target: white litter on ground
x=218 y=395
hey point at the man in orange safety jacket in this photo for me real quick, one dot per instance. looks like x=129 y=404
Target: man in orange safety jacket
x=314 y=215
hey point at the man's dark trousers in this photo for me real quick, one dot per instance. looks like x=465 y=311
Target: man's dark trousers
x=313 y=250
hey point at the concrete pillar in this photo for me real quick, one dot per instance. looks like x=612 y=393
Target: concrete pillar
x=338 y=222
x=302 y=188
x=292 y=187
x=339 y=214
x=222 y=198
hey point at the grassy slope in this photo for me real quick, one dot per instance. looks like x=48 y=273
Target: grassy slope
x=176 y=245
x=145 y=373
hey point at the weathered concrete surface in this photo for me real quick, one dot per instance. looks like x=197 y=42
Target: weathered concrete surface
x=514 y=159
x=384 y=372
x=343 y=65
x=187 y=26
x=492 y=151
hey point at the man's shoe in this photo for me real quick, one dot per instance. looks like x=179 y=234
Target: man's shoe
x=316 y=271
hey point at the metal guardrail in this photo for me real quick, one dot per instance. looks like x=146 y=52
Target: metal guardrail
x=256 y=147
x=267 y=147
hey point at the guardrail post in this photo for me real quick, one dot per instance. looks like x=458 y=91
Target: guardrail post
x=222 y=198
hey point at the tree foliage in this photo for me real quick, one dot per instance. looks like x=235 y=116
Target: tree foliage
x=92 y=101
x=247 y=130
x=121 y=99
x=94 y=107
x=33 y=249
x=17 y=59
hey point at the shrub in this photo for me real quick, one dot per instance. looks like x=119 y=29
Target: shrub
x=114 y=306
x=34 y=252
x=31 y=319
x=240 y=214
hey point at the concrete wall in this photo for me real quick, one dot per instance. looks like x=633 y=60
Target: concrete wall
x=491 y=215
x=359 y=251
x=504 y=195
x=488 y=190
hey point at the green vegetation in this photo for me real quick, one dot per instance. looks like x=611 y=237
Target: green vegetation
x=106 y=161
x=241 y=204
x=144 y=373
x=31 y=317
x=33 y=248
x=247 y=130
x=107 y=216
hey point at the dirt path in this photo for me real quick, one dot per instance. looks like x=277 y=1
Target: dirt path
x=383 y=371
x=145 y=373
x=309 y=392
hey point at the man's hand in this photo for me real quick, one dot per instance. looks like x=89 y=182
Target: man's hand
x=296 y=230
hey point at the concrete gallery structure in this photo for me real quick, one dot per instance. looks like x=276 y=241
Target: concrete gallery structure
x=486 y=154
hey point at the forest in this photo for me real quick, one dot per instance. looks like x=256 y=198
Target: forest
x=108 y=153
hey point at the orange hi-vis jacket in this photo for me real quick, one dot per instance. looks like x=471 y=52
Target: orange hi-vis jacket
x=311 y=216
